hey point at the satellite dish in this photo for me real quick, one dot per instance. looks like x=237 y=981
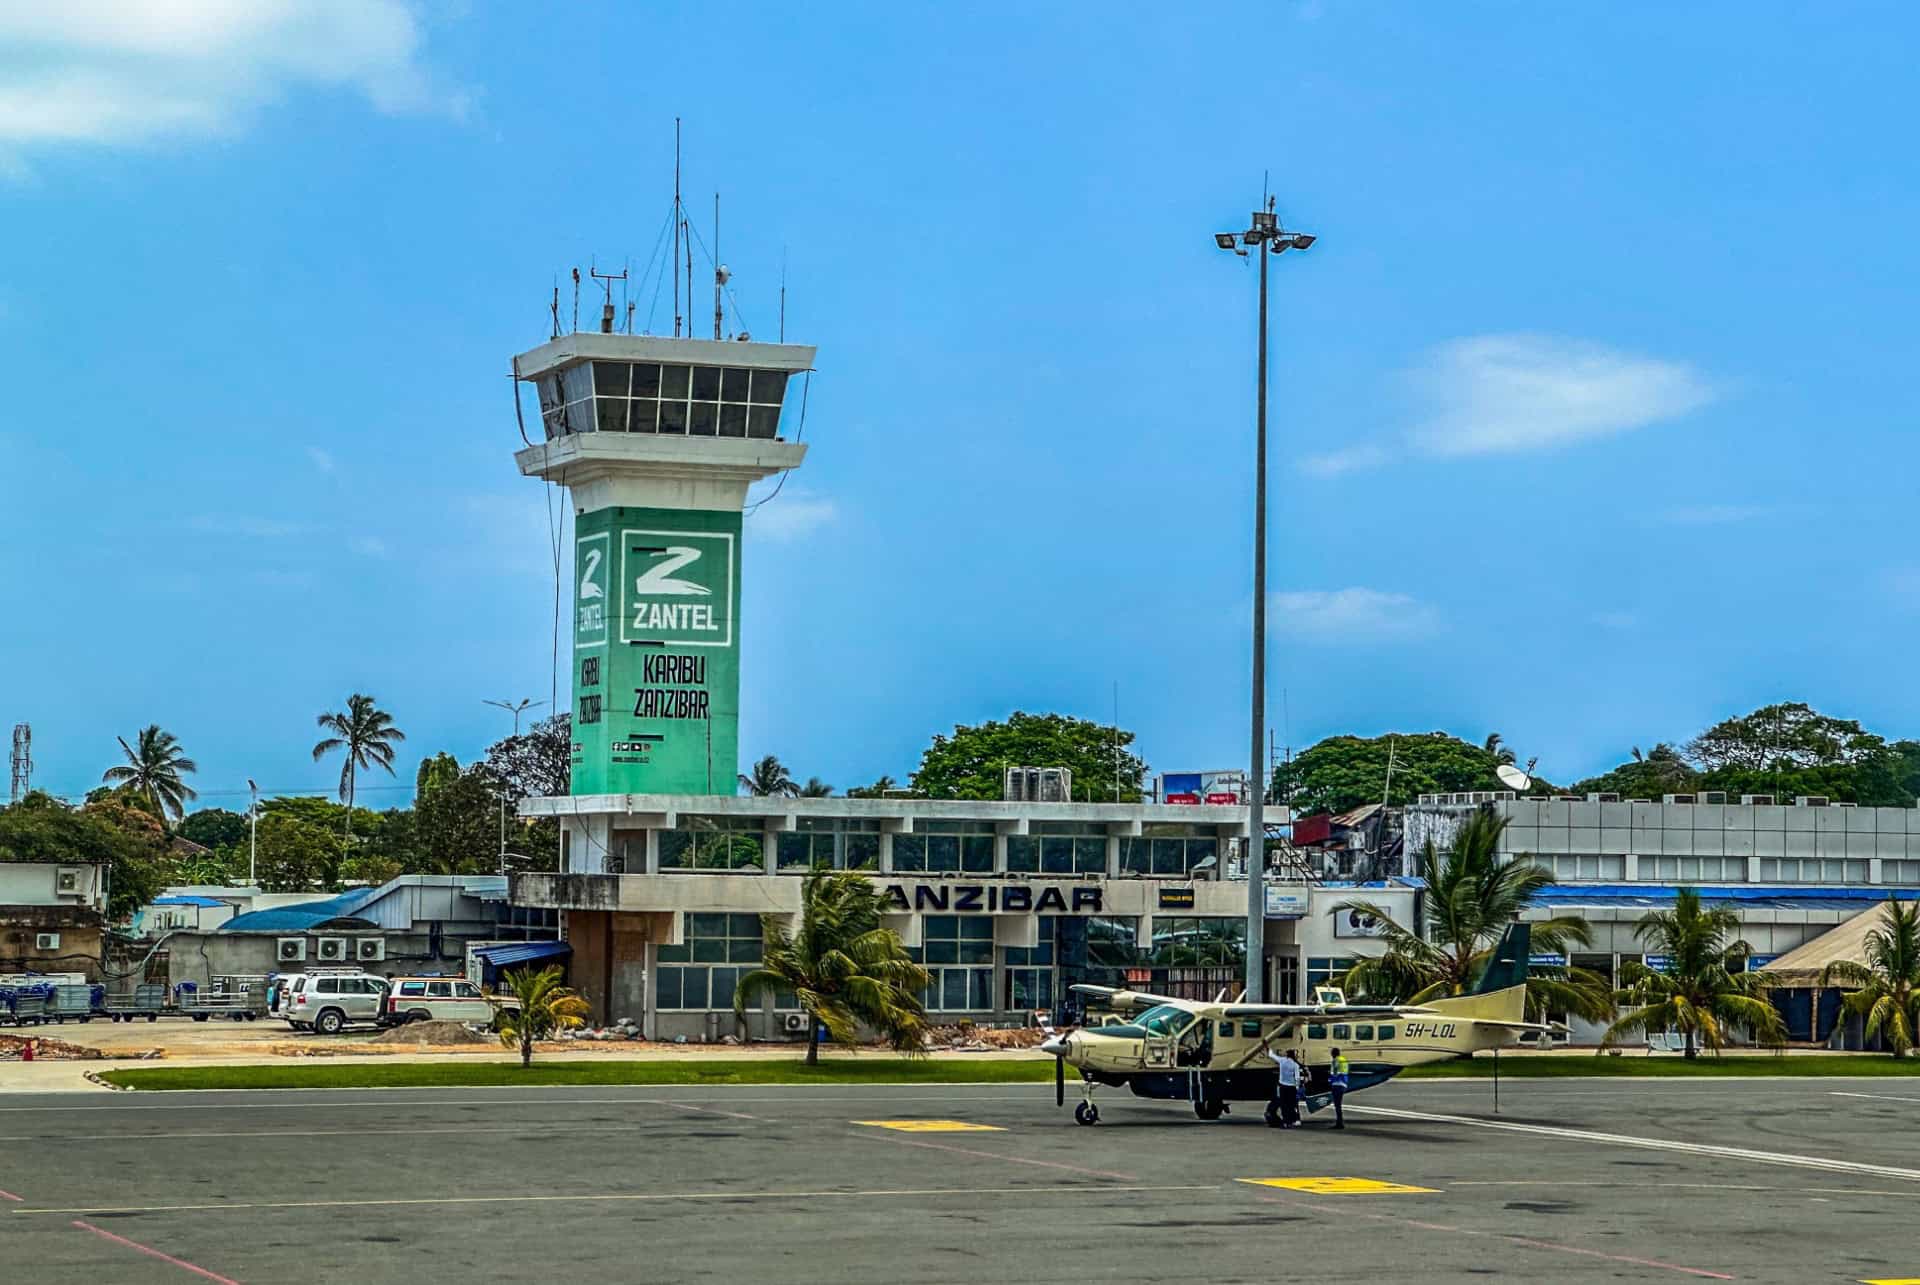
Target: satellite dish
x=1513 y=778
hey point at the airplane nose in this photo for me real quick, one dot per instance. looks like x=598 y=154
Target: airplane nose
x=1058 y=1046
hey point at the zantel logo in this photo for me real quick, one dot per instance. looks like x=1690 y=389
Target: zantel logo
x=659 y=580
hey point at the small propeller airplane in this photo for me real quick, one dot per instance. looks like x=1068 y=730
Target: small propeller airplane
x=1212 y=1054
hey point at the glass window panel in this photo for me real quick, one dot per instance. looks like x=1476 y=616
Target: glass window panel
x=555 y=422
x=733 y=384
x=576 y=382
x=976 y=928
x=769 y=387
x=646 y=380
x=676 y=848
x=1056 y=856
x=1199 y=850
x=1169 y=856
x=669 y=988
x=709 y=950
x=943 y=952
x=706 y=383
x=1135 y=855
x=612 y=378
x=613 y=414
x=943 y=852
x=733 y=421
x=909 y=852
x=673 y=417
x=742 y=951
x=744 y=926
x=1386 y=1032
x=703 y=419
x=725 y=982
x=1089 y=856
x=644 y=417
x=673 y=381
x=981 y=988
x=763 y=422
x=706 y=925
x=976 y=853
x=863 y=851
x=976 y=952
x=1023 y=853
x=1316 y=1032
x=794 y=850
x=549 y=389
x=941 y=926
x=1363 y=1032
x=1341 y=1033
x=953 y=988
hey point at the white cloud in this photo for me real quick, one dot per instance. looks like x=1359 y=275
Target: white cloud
x=119 y=72
x=322 y=460
x=368 y=546
x=793 y=515
x=1348 y=615
x=251 y=528
x=1712 y=514
x=1504 y=394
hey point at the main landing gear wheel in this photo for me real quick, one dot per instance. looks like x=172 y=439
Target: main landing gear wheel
x=1210 y=1108
x=1086 y=1113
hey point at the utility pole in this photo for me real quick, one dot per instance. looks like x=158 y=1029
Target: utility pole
x=516 y=708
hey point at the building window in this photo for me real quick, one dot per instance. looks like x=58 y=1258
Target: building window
x=1904 y=872
x=957 y=952
x=1695 y=869
x=945 y=847
x=647 y=397
x=832 y=842
x=1326 y=971
x=1058 y=848
x=702 y=972
x=1030 y=970
x=713 y=843
x=1165 y=851
x=1587 y=866
x=1199 y=942
x=1817 y=870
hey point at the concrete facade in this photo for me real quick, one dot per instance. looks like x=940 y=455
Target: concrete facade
x=52 y=916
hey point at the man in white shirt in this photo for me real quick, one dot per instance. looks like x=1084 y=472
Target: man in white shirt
x=1289 y=1069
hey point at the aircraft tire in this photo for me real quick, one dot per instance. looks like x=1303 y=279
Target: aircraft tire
x=1210 y=1108
x=1086 y=1113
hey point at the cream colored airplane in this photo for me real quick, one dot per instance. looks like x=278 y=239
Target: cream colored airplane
x=1212 y=1054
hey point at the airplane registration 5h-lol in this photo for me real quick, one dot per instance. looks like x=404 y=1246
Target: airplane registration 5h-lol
x=1213 y=1054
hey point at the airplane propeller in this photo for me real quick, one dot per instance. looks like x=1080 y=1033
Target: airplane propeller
x=1059 y=1080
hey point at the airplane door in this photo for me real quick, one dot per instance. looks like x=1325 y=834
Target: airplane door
x=1159 y=1052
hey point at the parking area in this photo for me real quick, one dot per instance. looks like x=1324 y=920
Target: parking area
x=1572 y=1181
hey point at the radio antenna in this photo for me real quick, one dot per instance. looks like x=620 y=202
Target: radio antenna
x=606 y=309
x=576 y=300
x=783 y=294
x=676 y=228
x=720 y=273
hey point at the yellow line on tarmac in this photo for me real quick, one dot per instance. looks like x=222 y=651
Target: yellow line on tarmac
x=1090 y=1189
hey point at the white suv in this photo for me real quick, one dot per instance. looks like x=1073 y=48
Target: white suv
x=440 y=999
x=329 y=1002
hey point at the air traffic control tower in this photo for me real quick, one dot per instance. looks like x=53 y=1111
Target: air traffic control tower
x=656 y=441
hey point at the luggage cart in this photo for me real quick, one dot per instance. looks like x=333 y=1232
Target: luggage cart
x=148 y=1000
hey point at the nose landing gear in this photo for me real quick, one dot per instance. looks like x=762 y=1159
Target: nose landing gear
x=1086 y=1112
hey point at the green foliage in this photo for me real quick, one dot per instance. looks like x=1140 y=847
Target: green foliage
x=546 y=1006
x=297 y=855
x=877 y=790
x=815 y=788
x=843 y=967
x=1473 y=898
x=1703 y=991
x=1885 y=990
x=538 y=763
x=434 y=772
x=768 y=779
x=214 y=828
x=1791 y=749
x=154 y=767
x=129 y=839
x=1344 y=772
x=456 y=828
x=365 y=735
x=370 y=868
x=1658 y=772
x=218 y=868
x=972 y=763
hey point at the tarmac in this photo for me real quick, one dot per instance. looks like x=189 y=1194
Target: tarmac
x=1573 y=1180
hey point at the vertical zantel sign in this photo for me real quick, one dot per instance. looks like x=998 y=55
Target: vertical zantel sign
x=656 y=652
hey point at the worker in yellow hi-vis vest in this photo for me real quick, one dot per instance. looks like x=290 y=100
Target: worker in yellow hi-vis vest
x=1337 y=1081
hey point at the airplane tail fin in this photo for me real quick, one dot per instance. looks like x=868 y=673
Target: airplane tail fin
x=1508 y=967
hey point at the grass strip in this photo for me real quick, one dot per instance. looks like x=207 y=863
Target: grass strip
x=319 y=1075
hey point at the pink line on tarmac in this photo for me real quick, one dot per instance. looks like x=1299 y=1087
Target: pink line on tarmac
x=688 y=1106
x=995 y=1155
x=8 y=1195
x=151 y=1252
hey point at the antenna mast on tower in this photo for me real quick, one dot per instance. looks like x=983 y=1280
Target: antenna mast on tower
x=676 y=228
x=22 y=761
x=720 y=273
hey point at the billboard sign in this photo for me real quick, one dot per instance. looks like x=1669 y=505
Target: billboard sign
x=1357 y=923
x=1286 y=903
x=1227 y=787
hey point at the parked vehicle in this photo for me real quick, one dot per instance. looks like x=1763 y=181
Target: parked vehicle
x=440 y=999
x=329 y=1002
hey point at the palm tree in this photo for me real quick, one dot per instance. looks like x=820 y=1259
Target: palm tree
x=877 y=790
x=842 y=966
x=545 y=1007
x=1472 y=898
x=154 y=766
x=1702 y=989
x=1888 y=994
x=1495 y=745
x=768 y=779
x=366 y=732
x=815 y=788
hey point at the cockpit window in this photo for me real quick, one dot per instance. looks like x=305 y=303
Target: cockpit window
x=1166 y=1020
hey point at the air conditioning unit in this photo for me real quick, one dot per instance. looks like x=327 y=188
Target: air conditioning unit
x=66 y=883
x=369 y=948
x=1764 y=800
x=333 y=948
x=46 y=941
x=1038 y=785
x=1713 y=796
x=1811 y=801
x=794 y=1023
x=290 y=950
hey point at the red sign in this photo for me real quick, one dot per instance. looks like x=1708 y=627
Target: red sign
x=1223 y=798
x=1183 y=798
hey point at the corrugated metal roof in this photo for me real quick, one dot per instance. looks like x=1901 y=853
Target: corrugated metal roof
x=177 y=900
x=1655 y=896
x=301 y=916
x=522 y=952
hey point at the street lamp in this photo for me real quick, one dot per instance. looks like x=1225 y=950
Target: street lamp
x=516 y=708
x=1265 y=233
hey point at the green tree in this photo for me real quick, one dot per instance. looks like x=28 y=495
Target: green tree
x=154 y=768
x=297 y=855
x=456 y=828
x=768 y=779
x=972 y=763
x=128 y=838
x=538 y=763
x=1343 y=772
x=545 y=1006
x=370 y=868
x=844 y=969
x=214 y=828
x=1645 y=776
x=877 y=790
x=1792 y=749
x=815 y=788
x=1473 y=897
x=434 y=772
x=211 y=867
x=366 y=734
x=1885 y=990
x=1702 y=990
x=1495 y=744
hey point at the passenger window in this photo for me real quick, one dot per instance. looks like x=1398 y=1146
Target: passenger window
x=1363 y=1032
x=1342 y=1033
x=325 y=986
x=440 y=990
x=1316 y=1032
x=1250 y=1029
x=467 y=990
x=1226 y=1030
x=1386 y=1032
x=413 y=988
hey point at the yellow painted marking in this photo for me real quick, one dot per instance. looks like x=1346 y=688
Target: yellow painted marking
x=932 y=1126
x=1343 y=1187
x=1895 y=1280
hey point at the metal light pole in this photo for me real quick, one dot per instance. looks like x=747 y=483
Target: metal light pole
x=253 y=834
x=516 y=708
x=1263 y=237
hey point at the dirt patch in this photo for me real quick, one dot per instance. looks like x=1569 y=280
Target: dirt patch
x=976 y=1038
x=50 y=1050
x=433 y=1033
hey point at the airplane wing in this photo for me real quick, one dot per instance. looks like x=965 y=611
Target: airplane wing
x=1326 y=1010
x=1514 y=1026
x=1138 y=1001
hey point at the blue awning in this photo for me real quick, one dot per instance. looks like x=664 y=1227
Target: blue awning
x=522 y=952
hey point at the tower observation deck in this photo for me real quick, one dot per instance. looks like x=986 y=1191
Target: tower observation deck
x=656 y=441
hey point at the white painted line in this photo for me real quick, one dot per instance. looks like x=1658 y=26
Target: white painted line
x=1659 y=1144
x=409 y=1131
x=1087 y=1189
x=1873 y=1097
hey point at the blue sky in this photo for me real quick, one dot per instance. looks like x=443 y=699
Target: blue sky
x=1592 y=408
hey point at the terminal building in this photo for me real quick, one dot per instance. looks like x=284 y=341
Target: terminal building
x=665 y=873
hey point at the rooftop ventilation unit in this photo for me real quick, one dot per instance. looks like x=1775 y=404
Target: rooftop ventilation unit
x=290 y=950
x=1678 y=798
x=1761 y=800
x=1039 y=785
x=1603 y=797
x=1810 y=801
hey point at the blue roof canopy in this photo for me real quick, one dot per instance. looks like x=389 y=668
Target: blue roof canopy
x=513 y=954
